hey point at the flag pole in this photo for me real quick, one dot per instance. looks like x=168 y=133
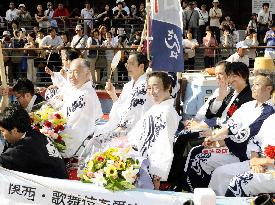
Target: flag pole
x=148 y=22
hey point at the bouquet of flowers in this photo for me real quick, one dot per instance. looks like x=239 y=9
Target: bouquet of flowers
x=51 y=123
x=269 y=151
x=113 y=169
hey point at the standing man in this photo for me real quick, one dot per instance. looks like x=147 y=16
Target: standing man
x=264 y=18
x=192 y=20
x=80 y=39
x=87 y=14
x=11 y=13
x=215 y=14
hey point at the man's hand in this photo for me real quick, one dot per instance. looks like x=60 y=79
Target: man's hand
x=222 y=90
x=257 y=169
x=49 y=71
x=4 y=91
x=110 y=89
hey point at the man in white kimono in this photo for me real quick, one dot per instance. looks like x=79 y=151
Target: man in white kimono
x=244 y=138
x=81 y=107
x=259 y=176
x=240 y=128
x=153 y=135
x=133 y=101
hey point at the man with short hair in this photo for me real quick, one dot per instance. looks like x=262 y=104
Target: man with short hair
x=87 y=14
x=53 y=41
x=81 y=107
x=133 y=101
x=192 y=20
x=29 y=151
x=23 y=90
x=11 y=13
x=215 y=13
x=79 y=40
x=264 y=18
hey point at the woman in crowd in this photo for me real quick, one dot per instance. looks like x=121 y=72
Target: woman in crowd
x=190 y=44
x=227 y=42
x=109 y=43
x=233 y=137
x=250 y=41
x=209 y=53
x=40 y=17
x=106 y=16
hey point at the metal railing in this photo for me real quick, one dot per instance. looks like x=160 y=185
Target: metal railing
x=16 y=62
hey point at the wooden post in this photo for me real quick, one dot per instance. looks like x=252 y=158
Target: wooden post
x=5 y=99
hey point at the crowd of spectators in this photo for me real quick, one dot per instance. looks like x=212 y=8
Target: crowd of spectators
x=52 y=28
x=121 y=26
x=213 y=27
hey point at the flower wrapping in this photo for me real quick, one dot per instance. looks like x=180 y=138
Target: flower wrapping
x=52 y=124
x=113 y=169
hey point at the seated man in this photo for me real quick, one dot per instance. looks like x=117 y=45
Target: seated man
x=215 y=112
x=234 y=136
x=81 y=107
x=257 y=176
x=30 y=151
x=23 y=90
x=133 y=101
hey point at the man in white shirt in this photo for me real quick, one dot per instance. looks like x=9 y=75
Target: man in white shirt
x=87 y=13
x=264 y=18
x=11 y=13
x=54 y=43
x=80 y=39
x=81 y=107
x=240 y=55
x=215 y=14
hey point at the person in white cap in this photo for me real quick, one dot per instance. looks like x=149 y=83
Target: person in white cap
x=240 y=55
x=80 y=39
x=24 y=17
x=215 y=14
x=11 y=13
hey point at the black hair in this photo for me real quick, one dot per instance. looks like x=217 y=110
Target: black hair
x=141 y=59
x=265 y=4
x=119 y=3
x=23 y=86
x=238 y=68
x=166 y=80
x=15 y=117
x=72 y=54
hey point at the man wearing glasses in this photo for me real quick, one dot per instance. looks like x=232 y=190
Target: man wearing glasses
x=23 y=90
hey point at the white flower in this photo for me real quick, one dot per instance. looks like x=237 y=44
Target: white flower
x=99 y=179
x=130 y=174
